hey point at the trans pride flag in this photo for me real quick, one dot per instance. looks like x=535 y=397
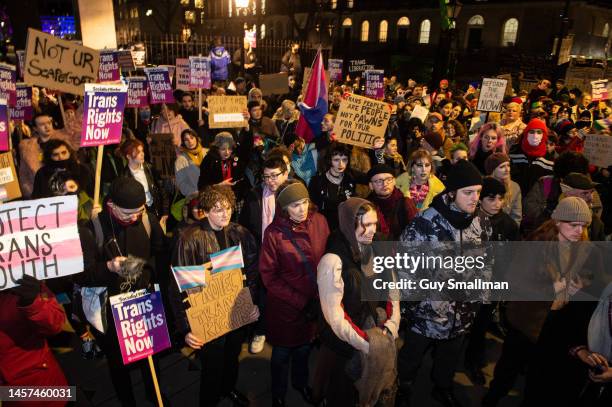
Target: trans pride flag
x=189 y=276
x=228 y=259
x=314 y=106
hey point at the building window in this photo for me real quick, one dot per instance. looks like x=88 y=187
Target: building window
x=198 y=3
x=334 y=4
x=349 y=3
x=476 y=20
x=184 y=3
x=606 y=30
x=510 y=32
x=403 y=22
x=185 y=34
x=230 y=7
x=365 y=31
x=202 y=17
x=347 y=22
x=120 y=15
x=190 y=17
x=135 y=13
x=383 y=28
x=262 y=32
x=263 y=7
x=424 y=32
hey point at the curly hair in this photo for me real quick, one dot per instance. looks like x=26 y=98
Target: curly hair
x=216 y=194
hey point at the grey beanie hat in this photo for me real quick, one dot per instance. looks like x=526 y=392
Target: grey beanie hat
x=291 y=193
x=572 y=209
x=222 y=138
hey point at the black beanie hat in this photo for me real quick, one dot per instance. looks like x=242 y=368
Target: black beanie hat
x=379 y=169
x=462 y=174
x=492 y=187
x=127 y=193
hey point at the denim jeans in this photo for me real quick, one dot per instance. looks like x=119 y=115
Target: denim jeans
x=281 y=356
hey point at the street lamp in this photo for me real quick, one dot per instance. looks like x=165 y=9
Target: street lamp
x=242 y=5
x=453 y=9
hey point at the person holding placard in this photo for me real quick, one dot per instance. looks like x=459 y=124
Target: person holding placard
x=170 y=121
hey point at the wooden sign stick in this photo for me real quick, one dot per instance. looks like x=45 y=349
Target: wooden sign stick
x=155 y=383
x=98 y=174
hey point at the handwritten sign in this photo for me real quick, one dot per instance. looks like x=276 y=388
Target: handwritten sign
x=507 y=77
x=39 y=238
x=420 y=113
x=9 y=184
x=374 y=86
x=182 y=74
x=58 y=64
x=222 y=306
x=23 y=108
x=492 y=94
x=4 y=126
x=274 y=84
x=199 y=72
x=359 y=65
x=20 y=62
x=598 y=149
x=163 y=154
x=601 y=90
x=140 y=323
x=109 y=67
x=103 y=114
x=361 y=120
x=160 y=85
x=125 y=60
x=138 y=95
x=8 y=80
x=226 y=111
x=335 y=69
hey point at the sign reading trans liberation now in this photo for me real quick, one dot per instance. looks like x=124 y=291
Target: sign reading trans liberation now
x=140 y=323
x=39 y=238
x=103 y=114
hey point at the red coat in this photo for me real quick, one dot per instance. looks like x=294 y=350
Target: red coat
x=289 y=283
x=25 y=357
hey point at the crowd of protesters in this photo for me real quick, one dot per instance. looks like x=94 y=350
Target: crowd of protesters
x=306 y=215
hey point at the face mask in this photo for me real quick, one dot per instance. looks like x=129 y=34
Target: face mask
x=534 y=140
x=145 y=115
x=583 y=124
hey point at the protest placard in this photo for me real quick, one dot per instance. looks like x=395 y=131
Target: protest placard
x=361 y=121
x=9 y=183
x=97 y=23
x=226 y=111
x=20 y=62
x=39 y=238
x=140 y=323
x=274 y=84
x=306 y=79
x=598 y=149
x=335 y=69
x=4 y=126
x=182 y=74
x=109 y=66
x=199 y=72
x=138 y=56
x=222 y=306
x=508 y=77
x=163 y=154
x=492 y=94
x=58 y=64
x=160 y=85
x=103 y=114
x=374 y=86
x=357 y=66
x=419 y=112
x=125 y=60
x=138 y=92
x=8 y=83
x=23 y=108
x=601 y=90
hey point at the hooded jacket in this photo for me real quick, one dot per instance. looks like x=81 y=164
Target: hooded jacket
x=528 y=163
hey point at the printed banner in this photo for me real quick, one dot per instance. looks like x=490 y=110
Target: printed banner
x=160 y=86
x=125 y=60
x=4 y=127
x=226 y=111
x=374 y=86
x=335 y=69
x=58 y=64
x=359 y=65
x=9 y=184
x=103 y=114
x=109 y=67
x=492 y=94
x=182 y=74
x=199 y=72
x=601 y=90
x=23 y=108
x=598 y=149
x=140 y=323
x=361 y=121
x=8 y=83
x=138 y=92
x=39 y=238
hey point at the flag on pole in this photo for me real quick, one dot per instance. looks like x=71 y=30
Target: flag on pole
x=228 y=259
x=189 y=276
x=314 y=106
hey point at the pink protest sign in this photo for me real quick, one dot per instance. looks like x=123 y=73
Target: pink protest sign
x=23 y=108
x=8 y=81
x=160 y=86
x=109 y=67
x=199 y=72
x=138 y=95
x=4 y=127
x=103 y=114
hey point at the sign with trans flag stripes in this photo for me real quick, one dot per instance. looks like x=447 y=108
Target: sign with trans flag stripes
x=190 y=276
x=227 y=259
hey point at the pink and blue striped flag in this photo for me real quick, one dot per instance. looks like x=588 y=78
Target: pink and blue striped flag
x=227 y=259
x=314 y=106
x=189 y=276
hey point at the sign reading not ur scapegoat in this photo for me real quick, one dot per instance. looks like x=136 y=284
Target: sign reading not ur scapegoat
x=361 y=121
x=492 y=94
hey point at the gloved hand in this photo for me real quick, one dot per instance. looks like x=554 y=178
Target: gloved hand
x=28 y=290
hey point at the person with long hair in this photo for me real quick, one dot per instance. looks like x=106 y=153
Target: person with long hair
x=490 y=139
x=420 y=182
x=497 y=165
x=187 y=164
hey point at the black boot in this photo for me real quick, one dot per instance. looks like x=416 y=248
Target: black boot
x=446 y=397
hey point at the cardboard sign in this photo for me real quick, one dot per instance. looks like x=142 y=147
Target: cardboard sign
x=4 y=126
x=492 y=94
x=420 y=113
x=20 y=62
x=274 y=84
x=138 y=92
x=39 y=238
x=97 y=23
x=361 y=120
x=125 y=60
x=109 y=67
x=598 y=149
x=335 y=70
x=199 y=72
x=226 y=111
x=140 y=323
x=163 y=154
x=222 y=306
x=8 y=82
x=160 y=85
x=138 y=56
x=23 y=108
x=182 y=74
x=306 y=79
x=359 y=65
x=601 y=90
x=9 y=183
x=58 y=64
x=508 y=77
x=374 y=86
x=103 y=114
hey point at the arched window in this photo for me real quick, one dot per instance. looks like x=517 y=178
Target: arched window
x=383 y=28
x=365 y=31
x=349 y=3
x=262 y=32
x=606 y=30
x=347 y=22
x=510 y=32
x=424 y=32
x=334 y=4
x=476 y=20
x=403 y=22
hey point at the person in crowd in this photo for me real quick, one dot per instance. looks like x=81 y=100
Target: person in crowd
x=57 y=154
x=541 y=90
x=304 y=158
x=291 y=62
x=256 y=95
x=219 y=61
x=569 y=137
x=420 y=182
x=441 y=325
x=187 y=164
x=443 y=92
x=445 y=108
x=353 y=326
x=456 y=131
x=292 y=246
x=490 y=139
x=458 y=151
x=194 y=245
x=261 y=128
x=137 y=168
x=583 y=105
x=395 y=209
x=497 y=165
x=189 y=111
x=391 y=156
x=170 y=121
x=286 y=120
x=512 y=123
x=246 y=65
x=335 y=100
x=63 y=182
x=559 y=90
x=435 y=126
x=433 y=143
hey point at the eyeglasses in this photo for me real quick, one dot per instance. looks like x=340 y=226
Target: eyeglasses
x=272 y=177
x=383 y=181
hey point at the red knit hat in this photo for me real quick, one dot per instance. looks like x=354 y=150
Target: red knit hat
x=517 y=100
x=540 y=149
